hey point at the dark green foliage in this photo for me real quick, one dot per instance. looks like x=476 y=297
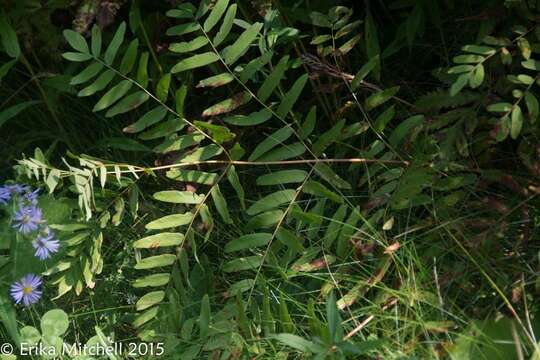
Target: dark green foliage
x=219 y=161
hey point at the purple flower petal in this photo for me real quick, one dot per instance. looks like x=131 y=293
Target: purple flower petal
x=5 y=195
x=45 y=245
x=26 y=290
x=27 y=219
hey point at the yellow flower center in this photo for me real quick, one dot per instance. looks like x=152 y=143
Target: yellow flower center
x=27 y=290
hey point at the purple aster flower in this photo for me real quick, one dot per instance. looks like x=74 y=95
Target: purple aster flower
x=31 y=196
x=27 y=219
x=45 y=244
x=5 y=195
x=26 y=290
x=7 y=191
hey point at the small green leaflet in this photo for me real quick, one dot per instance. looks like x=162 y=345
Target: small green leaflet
x=8 y=37
x=221 y=204
x=290 y=98
x=503 y=107
x=468 y=59
x=215 y=15
x=524 y=79
x=115 y=43
x=113 y=95
x=151 y=117
x=531 y=64
x=516 y=122
x=272 y=81
x=479 y=49
x=228 y=105
x=532 y=106
x=154 y=280
x=128 y=103
x=178 y=197
x=195 y=61
x=334 y=226
x=160 y=240
x=162 y=87
x=128 y=61
x=384 y=118
x=459 y=84
x=282 y=177
x=142 y=70
x=363 y=72
x=155 y=261
x=196 y=176
x=309 y=123
x=461 y=69
x=88 y=73
x=264 y=220
x=179 y=143
x=189 y=46
x=317 y=189
x=203 y=153
x=347 y=29
x=272 y=201
x=150 y=300
x=184 y=11
x=145 y=317
x=317 y=40
x=525 y=47
x=216 y=80
x=399 y=133
x=163 y=129
x=326 y=173
x=349 y=45
x=244 y=263
x=380 y=97
x=255 y=65
x=232 y=176
x=96 y=41
x=284 y=152
x=76 y=41
x=226 y=25
x=239 y=47
x=255 y=118
x=477 y=76
x=270 y=142
x=167 y=222
x=248 y=242
x=204 y=6
x=180 y=99
x=182 y=29
x=77 y=57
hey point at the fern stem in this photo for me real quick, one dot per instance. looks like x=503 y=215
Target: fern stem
x=259 y=163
